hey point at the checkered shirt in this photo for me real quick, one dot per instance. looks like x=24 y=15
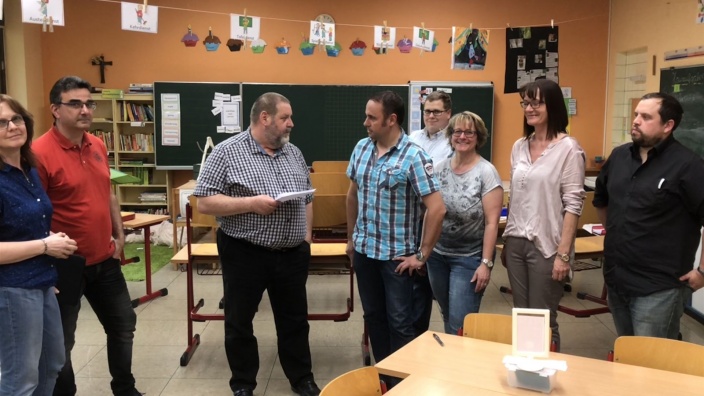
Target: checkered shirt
x=239 y=167
x=389 y=193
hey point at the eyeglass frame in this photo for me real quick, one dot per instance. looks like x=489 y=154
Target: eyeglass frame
x=16 y=120
x=78 y=105
x=434 y=112
x=469 y=134
x=534 y=104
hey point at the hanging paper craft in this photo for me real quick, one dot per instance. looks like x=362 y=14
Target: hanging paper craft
x=358 y=47
x=258 y=46
x=244 y=27
x=137 y=18
x=384 y=38
x=234 y=45
x=190 y=39
x=43 y=12
x=470 y=48
x=423 y=38
x=212 y=43
x=283 y=47
x=405 y=45
x=322 y=33
x=306 y=47
x=435 y=45
x=333 y=50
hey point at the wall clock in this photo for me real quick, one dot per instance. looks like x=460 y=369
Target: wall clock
x=325 y=18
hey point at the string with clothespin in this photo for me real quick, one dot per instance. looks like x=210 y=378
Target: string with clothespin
x=48 y=21
x=145 y=6
x=552 y=24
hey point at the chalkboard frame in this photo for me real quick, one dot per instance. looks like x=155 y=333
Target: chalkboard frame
x=688 y=88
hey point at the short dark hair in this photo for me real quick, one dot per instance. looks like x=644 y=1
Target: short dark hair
x=551 y=95
x=440 y=95
x=391 y=103
x=467 y=117
x=670 y=107
x=27 y=157
x=266 y=102
x=65 y=84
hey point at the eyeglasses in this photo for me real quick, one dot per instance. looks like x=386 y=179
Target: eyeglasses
x=535 y=103
x=459 y=132
x=77 y=104
x=17 y=120
x=433 y=112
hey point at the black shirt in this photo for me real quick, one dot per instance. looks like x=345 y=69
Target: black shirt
x=655 y=211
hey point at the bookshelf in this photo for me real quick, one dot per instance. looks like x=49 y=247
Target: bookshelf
x=126 y=126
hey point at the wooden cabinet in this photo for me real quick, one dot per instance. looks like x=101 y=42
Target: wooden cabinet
x=126 y=125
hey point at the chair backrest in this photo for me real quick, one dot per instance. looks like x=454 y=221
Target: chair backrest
x=360 y=382
x=660 y=353
x=489 y=327
x=199 y=219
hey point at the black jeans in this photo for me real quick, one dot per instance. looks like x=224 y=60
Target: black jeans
x=105 y=289
x=248 y=270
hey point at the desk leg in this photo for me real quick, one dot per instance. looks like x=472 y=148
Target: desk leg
x=148 y=273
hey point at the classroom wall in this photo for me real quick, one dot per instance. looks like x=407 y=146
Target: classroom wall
x=662 y=26
x=94 y=29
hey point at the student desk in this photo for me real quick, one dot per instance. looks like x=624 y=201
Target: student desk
x=467 y=366
x=325 y=258
x=144 y=222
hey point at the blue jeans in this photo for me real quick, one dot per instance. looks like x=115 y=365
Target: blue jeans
x=655 y=315
x=106 y=291
x=450 y=278
x=387 y=300
x=31 y=349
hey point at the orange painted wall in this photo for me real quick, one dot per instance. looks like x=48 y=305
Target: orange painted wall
x=93 y=28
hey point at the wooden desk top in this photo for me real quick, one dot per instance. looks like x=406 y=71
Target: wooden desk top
x=142 y=220
x=472 y=366
x=210 y=250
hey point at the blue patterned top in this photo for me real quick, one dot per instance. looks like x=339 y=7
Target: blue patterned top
x=25 y=215
x=389 y=192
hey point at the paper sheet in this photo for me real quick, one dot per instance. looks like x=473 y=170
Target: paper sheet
x=283 y=197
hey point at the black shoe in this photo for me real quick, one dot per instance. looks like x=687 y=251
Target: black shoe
x=244 y=392
x=306 y=388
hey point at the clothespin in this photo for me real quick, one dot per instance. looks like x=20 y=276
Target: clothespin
x=552 y=23
x=51 y=24
x=144 y=7
x=470 y=27
x=384 y=43
x=190 y=31
x=45 y=22
x=509 y=26
x=422 y=33
x=244 y=45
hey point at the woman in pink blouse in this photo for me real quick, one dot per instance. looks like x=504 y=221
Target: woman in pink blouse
x=547 y=193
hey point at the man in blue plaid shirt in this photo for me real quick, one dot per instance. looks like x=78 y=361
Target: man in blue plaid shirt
x=263 y=244
x=392 y=180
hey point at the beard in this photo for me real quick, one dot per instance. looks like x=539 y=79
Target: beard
x=645 y=141
x=277 y=139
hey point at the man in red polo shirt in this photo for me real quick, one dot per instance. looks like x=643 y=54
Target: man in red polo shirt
x=73 y=166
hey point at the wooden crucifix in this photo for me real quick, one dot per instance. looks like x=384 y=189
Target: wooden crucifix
x=100 y=61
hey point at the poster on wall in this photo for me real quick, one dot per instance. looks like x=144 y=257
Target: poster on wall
x=244 y=27
x=700 y=11
x=469 y=48
x=322 y=33
x=384 y=37
x=423 y=38
x=43 y=12
x=531 y=54
x=137 y=18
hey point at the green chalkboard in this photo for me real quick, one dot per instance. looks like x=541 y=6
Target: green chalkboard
x=195 y=119
x=687 y=85
x=327 y=118
x=477 y=97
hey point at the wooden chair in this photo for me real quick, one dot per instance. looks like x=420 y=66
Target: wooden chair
x=660 y=353
x=488 y=327
x=359 y=382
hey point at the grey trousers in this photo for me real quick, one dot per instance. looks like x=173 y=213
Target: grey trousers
x=530 y=275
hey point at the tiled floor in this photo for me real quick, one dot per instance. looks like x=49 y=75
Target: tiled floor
x=161 y=336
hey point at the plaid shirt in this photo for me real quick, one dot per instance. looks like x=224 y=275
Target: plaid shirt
x=389 y=192
x=239 y=167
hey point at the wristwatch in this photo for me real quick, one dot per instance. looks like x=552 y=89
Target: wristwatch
x=489 y=264
x=420 y=257
x=564 y=257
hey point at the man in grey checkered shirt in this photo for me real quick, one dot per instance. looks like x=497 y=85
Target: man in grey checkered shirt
x=263 y=244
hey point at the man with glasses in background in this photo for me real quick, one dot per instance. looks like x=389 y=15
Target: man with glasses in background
x=74 y=169
x=437 y=111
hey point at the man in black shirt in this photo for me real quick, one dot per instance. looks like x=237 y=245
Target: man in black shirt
x=650 y=197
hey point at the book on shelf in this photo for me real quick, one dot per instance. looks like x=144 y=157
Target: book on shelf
x=152 y=197
x=112 y=93
x=106 y=137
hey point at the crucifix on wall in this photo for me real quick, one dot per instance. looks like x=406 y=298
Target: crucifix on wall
x=100 y=61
